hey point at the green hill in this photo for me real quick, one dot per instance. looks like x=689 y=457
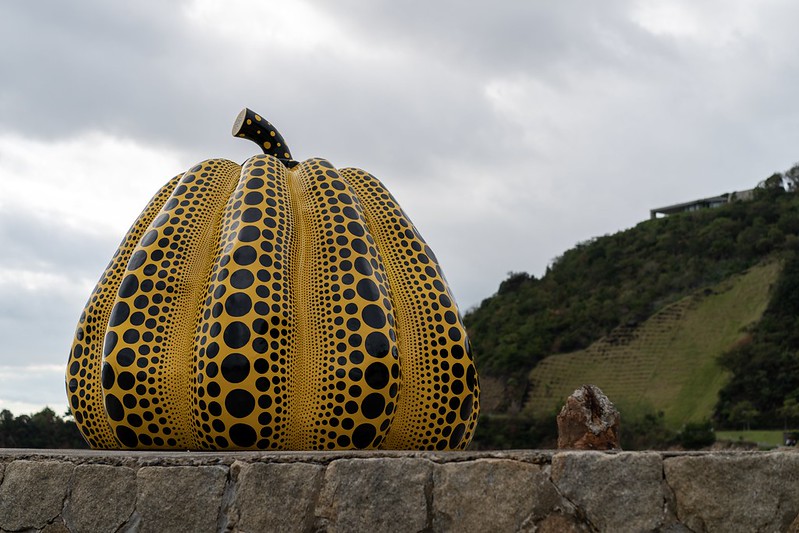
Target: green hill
x=689 y=315
x=669 y=362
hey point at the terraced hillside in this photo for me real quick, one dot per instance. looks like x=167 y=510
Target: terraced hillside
x=668 y=362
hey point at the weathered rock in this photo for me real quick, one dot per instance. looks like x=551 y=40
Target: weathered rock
x=617 y=492
x=55 y=527
x=374 y=495
x=32 y=493
x=561 y=523
x=588 y=421
x=276 y=497
x=491 y=495
x=756 y=492
x=103 y=498
x=180 y=498
x=794 y=527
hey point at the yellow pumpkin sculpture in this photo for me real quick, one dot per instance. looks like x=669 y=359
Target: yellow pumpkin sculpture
x=275 y=305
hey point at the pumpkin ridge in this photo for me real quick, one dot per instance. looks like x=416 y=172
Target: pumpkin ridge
x=152 y=322
x=245 y=344
x=439 y=377
x=83 y=376
x=348 y=359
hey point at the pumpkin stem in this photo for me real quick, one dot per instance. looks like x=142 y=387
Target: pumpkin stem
x=252 y=126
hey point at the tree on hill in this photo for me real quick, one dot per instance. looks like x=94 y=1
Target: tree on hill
x=44 y=429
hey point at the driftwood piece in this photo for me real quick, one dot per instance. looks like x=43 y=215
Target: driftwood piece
x=588 y=421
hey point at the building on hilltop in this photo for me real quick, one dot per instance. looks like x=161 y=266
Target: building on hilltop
x=703 y=203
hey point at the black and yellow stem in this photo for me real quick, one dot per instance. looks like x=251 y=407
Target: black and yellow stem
x=252 y=126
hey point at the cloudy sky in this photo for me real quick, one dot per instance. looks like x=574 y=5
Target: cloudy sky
x=509 y=130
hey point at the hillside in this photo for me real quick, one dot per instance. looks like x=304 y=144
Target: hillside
x=627 y=279
x=669 y=362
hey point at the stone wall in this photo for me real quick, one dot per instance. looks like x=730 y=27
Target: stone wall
x=533 y=491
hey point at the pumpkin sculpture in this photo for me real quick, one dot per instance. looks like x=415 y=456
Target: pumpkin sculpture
x=275 y=305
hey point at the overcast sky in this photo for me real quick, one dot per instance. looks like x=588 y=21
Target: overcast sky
x=509 y=131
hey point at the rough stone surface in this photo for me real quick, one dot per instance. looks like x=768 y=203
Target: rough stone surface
x=180 y=498
x=56 y=527
x=32 y=493
x=275 y=497
x=374 y=495
x=588 y=421
x=515 y=490
x=491 y=495
x=617 y=492
x=103 y=498
x=752 y=492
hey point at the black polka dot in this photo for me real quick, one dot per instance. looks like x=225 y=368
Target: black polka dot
x=131 y=336
x=237 y=334
x=127 y=436
x=368 y=290
x=363 y=435
x=238 y=304
x=373 y=405
x=126 y=380
x=107 y=376
x=242 y=435
x=362 y=265
x=137 y=259
x=119 y=314
x=242 y=278
x=129 y=286
x=356 y=228
x=466 y=408
x=114 y=408
x=376 y=375
x=245 y=255
x=249 y=233
x=253 y=198
x=252 y=214
x=457 y=435
x=235 y=368
x=377 y=344
x=110 y=343
x=126 y=356
x=471 y=378
x=149 y=237
x=212 y=350
x=239 y=403
x=374 y=316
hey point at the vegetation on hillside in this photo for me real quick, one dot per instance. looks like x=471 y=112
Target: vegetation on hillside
x=625 y=278
x=764 y=389
x=44 y=429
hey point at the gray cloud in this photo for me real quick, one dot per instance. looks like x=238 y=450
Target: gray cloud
x=508 y=131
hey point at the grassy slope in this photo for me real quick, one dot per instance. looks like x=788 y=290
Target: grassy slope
x=667 y=363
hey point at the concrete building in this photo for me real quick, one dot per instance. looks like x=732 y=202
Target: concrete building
x=703 y=203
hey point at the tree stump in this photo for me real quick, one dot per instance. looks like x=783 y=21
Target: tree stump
x=588 y=421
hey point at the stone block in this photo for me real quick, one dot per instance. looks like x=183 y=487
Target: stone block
x=32 y=493
x=491 y=495
x=616 y=492
x=103 y=498
x=276 y=497
x=719 y=492
x=375 y=495
x=180 y=498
